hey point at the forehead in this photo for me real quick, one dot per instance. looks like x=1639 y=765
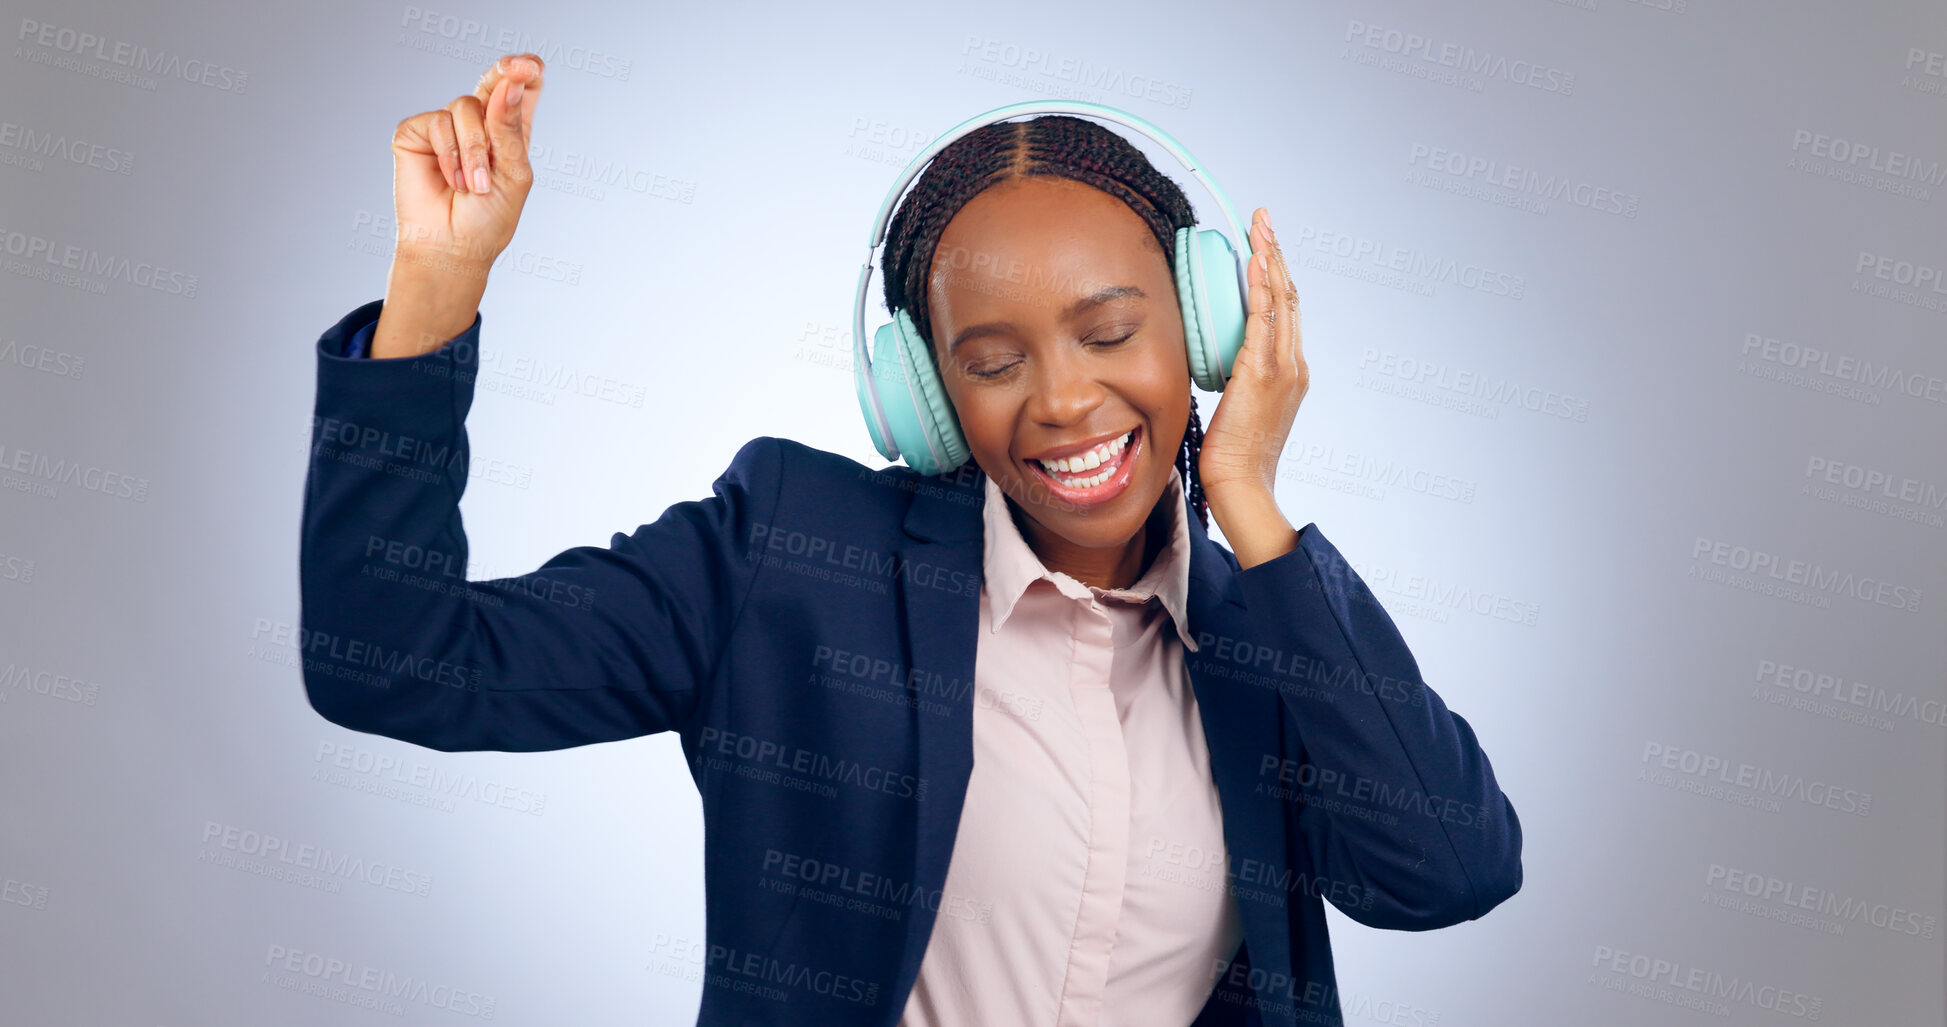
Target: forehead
x=1040 y=241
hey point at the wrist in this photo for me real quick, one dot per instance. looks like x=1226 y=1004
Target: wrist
x=425 y=308
x=1256 y=529
x=445 y=270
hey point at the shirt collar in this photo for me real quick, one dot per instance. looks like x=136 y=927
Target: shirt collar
x=1010 y=566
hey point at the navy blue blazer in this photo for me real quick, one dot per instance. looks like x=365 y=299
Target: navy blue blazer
x=808 y=630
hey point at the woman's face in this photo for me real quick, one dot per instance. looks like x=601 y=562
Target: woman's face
x=1056 y=329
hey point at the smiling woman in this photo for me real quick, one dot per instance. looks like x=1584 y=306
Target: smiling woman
x=1056 y=373
x=1051 y=311
x=1022 y=744
x=1057 y=219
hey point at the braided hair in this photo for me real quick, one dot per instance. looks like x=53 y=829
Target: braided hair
x=1050 y=144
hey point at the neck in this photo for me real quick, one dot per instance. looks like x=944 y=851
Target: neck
x=1118 y=566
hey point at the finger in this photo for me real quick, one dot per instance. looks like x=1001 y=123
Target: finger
x=490 y=78
x=446 y=146
x=416 y=136
x=526 y=69
x=1296 y=317
x=1267 y=311
x=1293 y=327
x=508 y=158
x=1260 y=326
x=1297 y=321
x=472 y=131
x=1287 y=294
x=1261 y=230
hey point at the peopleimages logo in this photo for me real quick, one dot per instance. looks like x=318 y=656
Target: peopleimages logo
x=375 y=766
x=59 y=363
x=133 y=56
x=361 y=984
x=1717 y=770
x=1765 y=568
x=1856 y=154
x=1817 y=685
x=769 y=759
x=1834 y=372
x=1926 y=71
x=85 y=267
x=886 y=894
x=325 y=861
x=1901 y=281
x=1524 y=180
x=1639 y=974
x=1032 y=61
x=759 y=972
x=54 y=685
x=1901 y=272
x=1465 y=382
x=1458 y=58
x=40 y=471
x=1822 y=901
x=821 y=555
x=318 y=647
x=461 y=33
x=27 y=143
x=1871 y=485
x=1414 y=265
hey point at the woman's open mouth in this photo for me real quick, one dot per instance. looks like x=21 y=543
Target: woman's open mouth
x=1094 y=477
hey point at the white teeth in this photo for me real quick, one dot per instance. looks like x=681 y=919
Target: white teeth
x=1089 y=461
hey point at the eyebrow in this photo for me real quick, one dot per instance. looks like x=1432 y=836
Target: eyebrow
x=1096 y=299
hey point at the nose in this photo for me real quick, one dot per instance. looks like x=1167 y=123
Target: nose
x=1061 y=392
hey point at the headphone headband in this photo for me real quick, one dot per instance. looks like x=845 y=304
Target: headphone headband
x=860 y=351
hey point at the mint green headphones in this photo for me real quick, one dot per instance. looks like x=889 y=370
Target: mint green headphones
x=918 y=423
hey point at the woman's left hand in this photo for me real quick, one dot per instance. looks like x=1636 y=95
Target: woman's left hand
x=1246 y=436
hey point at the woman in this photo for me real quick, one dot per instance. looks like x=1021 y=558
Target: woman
x=1013 y=745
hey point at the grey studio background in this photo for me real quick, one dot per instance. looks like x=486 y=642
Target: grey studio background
x=1628 y=332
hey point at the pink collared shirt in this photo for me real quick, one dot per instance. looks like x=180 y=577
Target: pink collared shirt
x=1087 y=883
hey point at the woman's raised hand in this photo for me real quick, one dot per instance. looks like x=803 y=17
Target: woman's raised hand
x=460 y=174
x=1238 y=462
x=459 y=179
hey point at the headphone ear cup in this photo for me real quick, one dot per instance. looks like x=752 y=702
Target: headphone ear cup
x=928 y=432
x=1213 y=303
x=1202 y=362
x=1220 y=300
x=886 y=374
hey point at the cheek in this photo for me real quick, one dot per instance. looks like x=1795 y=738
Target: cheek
x=985 y=422
x=1163 y=390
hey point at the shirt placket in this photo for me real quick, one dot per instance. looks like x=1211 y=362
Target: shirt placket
x=1108 y=806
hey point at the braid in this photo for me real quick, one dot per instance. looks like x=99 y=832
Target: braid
x=1186 y=465
x=1051 y=144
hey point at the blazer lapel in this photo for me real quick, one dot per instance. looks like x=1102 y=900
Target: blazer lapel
x=1241 y=723
x=944 y=530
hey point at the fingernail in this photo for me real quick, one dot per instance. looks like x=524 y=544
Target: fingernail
x=514 y=96
x=480 y=180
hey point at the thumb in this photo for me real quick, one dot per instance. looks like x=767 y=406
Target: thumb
x=507 y=135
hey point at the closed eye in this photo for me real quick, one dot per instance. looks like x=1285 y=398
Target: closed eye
x=1105 y=343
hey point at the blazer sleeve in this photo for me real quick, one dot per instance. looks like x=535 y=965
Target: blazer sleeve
x=1394 y=793
x=596 y=645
